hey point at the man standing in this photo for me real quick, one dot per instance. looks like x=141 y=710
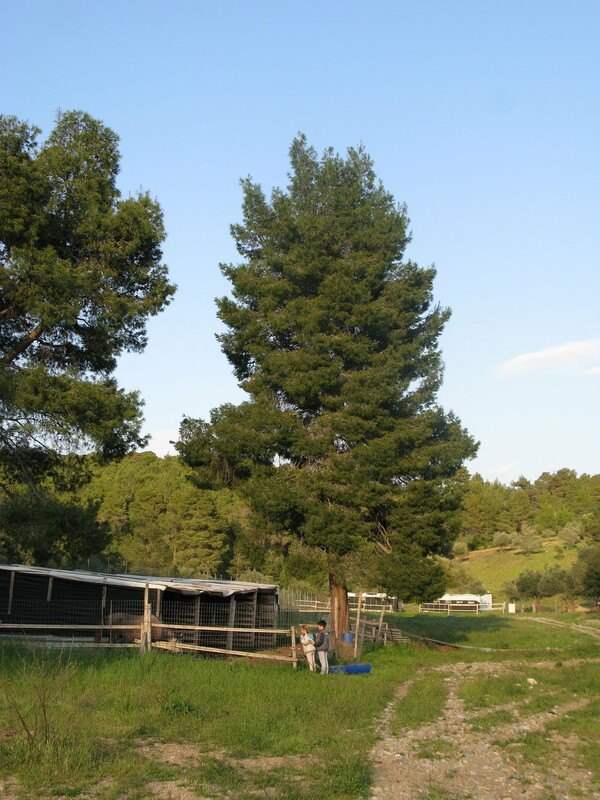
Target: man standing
x=322 y=645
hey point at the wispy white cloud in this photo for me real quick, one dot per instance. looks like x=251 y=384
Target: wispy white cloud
x=572 y=357
x=505 y=469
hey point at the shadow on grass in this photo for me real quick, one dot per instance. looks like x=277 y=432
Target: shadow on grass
x=475 y=630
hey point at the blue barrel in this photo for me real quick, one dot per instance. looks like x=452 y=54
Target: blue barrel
x=351 y=669
x=348 y=637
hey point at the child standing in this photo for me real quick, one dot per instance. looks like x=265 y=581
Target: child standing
x=307 y=640
x=322 y=646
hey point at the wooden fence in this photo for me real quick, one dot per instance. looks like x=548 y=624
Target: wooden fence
x=452 y=608
x=151 y=634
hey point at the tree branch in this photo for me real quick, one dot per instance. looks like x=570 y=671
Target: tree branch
x=21 y=346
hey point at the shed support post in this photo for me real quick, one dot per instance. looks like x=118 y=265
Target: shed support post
x=99 y=633
x=197 y=601
x=254 y=611
x=11 y=590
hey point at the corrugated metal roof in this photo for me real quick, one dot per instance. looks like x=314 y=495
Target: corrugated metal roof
x=183 y=585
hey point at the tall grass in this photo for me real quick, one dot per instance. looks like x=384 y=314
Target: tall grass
x=101 y=714
x=113 y=725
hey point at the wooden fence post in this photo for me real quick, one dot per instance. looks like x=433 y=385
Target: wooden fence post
x=357 y=625
x=380 y=629
x=294 y=650
x=146 y=632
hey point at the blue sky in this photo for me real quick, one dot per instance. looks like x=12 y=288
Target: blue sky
x=484 y=117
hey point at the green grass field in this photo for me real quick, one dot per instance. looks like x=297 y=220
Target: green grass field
x=495 y=566
x=117 y=726
x=499 y=632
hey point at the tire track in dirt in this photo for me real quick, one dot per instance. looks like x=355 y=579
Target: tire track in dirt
x=470 y=764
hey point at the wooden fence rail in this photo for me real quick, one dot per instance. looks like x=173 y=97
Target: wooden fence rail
x=452 y=608
x=144 y=639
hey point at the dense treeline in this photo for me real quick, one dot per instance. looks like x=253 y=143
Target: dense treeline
x=147 y=514
x=559 y=503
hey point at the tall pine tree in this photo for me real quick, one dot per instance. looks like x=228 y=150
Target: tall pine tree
x=335 y=339
x=80 y=273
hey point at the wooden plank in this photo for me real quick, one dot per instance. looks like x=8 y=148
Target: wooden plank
x=380 y=628
x=146 y=627
x=222 y=629
x=222 y=651
x=44 y=626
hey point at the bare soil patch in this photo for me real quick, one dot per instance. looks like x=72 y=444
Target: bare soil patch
x=449 y=760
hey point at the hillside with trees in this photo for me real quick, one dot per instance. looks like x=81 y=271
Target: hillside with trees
x=559 y=504
x=530 y=540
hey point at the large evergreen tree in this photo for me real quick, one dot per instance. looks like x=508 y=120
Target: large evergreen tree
x=335 y=338
x=80 y=273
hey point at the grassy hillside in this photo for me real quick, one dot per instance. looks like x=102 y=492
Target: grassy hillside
x=494 y=566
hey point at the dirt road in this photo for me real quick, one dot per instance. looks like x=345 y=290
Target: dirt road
x=451 y=759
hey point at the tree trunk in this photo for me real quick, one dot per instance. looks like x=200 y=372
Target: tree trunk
x=340 y=621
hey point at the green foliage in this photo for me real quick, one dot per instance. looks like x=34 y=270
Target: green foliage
x=558 y=503
x=305 y=566
x=586 y=571
x=81 y=273
x=502 y=539
x=39 y=527
x=485 y=510
x=460 y=580
x=341 y=445
x=529 y=585
x=460 y=549
x=159 y=520
x=410 y=575
x=571 y=534
x=528 y=540
x=535 y=585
